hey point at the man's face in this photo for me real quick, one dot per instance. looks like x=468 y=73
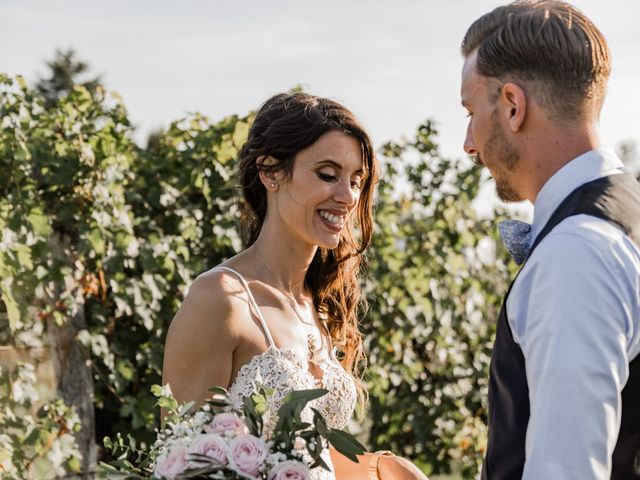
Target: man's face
x=486 y=138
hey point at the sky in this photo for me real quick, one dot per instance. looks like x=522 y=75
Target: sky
x=393 y=62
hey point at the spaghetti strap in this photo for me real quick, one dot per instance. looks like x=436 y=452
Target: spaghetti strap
x=253 y=303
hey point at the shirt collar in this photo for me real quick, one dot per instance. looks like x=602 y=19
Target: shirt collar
x=582 y=169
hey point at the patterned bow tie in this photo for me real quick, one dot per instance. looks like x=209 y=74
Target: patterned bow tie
x=516 y=236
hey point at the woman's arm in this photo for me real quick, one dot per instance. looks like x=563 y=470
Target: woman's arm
x=201 y=340
x=388 y=467
x=345 y=468
x=398 y=468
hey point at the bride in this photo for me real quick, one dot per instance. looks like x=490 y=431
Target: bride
x=284 y=311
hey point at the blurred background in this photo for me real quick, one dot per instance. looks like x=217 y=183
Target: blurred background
x=114 y=195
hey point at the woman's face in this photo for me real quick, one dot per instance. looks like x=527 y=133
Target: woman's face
x=317 y=201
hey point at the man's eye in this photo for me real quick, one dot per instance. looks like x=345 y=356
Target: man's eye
x=468 y=114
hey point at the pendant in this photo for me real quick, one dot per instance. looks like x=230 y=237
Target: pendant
x=312 y=344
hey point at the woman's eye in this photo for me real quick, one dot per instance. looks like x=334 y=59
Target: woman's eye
x=326 y=177
x=356 y=183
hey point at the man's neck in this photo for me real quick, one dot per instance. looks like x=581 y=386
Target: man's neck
x=551 y=150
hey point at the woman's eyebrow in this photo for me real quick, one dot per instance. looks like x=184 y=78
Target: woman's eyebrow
x=337 y=165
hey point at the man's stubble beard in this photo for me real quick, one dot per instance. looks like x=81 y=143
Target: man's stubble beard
x=504 y=158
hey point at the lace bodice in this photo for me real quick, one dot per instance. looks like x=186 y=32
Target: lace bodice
x=284 y=370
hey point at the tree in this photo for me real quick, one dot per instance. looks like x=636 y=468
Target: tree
x=61 y=185
x=65 y=72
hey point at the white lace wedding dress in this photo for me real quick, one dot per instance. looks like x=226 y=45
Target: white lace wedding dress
x=284 y=370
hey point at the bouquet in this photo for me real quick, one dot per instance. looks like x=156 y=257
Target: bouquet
x=217 y=442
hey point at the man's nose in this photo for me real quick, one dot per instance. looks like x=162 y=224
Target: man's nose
x=469 y=144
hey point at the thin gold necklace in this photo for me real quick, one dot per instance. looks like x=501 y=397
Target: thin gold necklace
x=313 y=346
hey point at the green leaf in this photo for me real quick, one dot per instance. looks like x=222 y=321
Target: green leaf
x=13 y=310
x=96 y=240
x=112 y=473
x=259 y=403
x=39 y=222
x=320 y=424
x=157 y=390
x=318 y=461
x=21 y=82
x=299 y=398
x=219 y=391
x=74 y=465
x=346 y=444
x=167 y=403
x=240 y=133
x=35 y=438
x=23 y=253
x=125 y=370
x=294 y=402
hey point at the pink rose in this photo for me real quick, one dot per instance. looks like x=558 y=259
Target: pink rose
x=224 y=422
x=247 y=454
x=210 y=445
x=289 y=470
x=172 y=463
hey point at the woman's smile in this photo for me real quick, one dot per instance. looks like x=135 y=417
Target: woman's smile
x=333 y=221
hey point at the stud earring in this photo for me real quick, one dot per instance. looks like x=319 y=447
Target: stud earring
x=274 y=186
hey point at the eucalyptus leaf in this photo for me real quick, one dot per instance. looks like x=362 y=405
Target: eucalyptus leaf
x=346 y=444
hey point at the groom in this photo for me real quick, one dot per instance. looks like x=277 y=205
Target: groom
x=564 y=395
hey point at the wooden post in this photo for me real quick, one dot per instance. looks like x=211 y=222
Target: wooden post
x=72 y=367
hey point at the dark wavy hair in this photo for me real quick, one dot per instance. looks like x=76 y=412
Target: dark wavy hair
x=283 y=126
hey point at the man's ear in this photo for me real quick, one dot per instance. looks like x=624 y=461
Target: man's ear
x=268 y=175
x=514 y=100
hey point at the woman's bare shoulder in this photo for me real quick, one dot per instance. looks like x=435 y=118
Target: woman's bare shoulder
x=218 y=286
x=203 y=335
x=215 y=300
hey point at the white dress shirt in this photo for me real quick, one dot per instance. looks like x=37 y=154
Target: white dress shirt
x=574 y=310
